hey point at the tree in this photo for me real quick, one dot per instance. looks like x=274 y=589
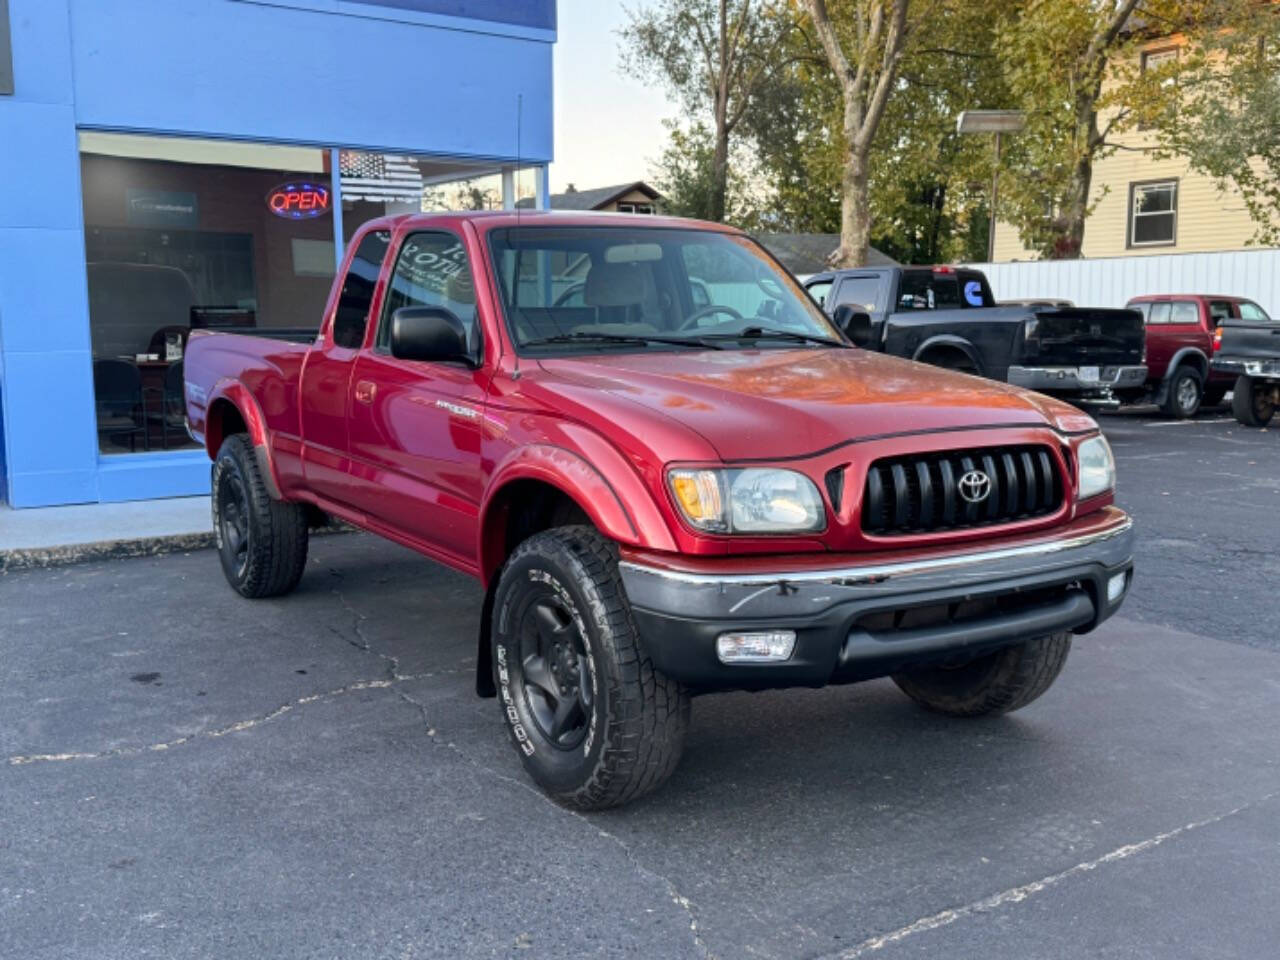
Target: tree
x=684 y=175
x=1076 y=69
x=866 y=77
x=927 y=195
x=1226 y=122
x=716 y=56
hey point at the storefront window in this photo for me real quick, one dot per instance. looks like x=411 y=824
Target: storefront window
x=189 y=234
x=184 y=234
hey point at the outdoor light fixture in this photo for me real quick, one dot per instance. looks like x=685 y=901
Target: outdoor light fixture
x=998 y=122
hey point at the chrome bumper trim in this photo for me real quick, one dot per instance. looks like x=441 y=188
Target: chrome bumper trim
x=881 y=573
x=1068 y=378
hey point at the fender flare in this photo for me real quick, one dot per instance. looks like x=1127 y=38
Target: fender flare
x=1201 y=361
x=952 y=342
x=239 y=396
x=594 y=476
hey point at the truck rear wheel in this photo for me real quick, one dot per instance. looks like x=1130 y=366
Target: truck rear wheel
x=1184 y=393
x=1252 y=403
x=999 y=682
x=592 y=720
x=261 y=542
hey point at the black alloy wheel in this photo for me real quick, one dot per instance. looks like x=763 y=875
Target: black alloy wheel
x=233 y=525
x=559 y=686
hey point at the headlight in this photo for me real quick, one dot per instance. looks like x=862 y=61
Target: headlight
x=748 y=501
x=1097 y=467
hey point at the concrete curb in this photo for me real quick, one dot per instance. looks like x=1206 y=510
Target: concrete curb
x=36 y=558
x=32 y=558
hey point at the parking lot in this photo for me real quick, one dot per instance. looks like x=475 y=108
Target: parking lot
x=187 y=774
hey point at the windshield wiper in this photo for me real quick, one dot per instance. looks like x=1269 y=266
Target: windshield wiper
x=696 y=343
x=768 y=333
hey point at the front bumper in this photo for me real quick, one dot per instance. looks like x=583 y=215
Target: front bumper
x=871 y=620
x=1079 y=379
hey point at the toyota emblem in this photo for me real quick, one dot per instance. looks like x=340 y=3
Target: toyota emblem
x=975 y=486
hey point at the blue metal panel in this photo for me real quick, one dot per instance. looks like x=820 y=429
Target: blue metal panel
x=251 y=71
x=524 y=13
x=182 y=473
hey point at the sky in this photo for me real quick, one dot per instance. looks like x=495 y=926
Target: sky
x=608 y=125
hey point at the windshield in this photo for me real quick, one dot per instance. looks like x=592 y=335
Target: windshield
x=596 y=289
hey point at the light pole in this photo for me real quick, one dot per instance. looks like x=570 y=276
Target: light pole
x=998 y=122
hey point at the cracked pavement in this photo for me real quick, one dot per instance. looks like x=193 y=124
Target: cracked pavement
x=187 y=774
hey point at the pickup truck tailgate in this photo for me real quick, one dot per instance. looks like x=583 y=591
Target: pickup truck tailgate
x=1079 y=335
x=1250 y=341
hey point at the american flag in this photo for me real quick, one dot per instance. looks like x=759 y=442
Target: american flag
x=379 y=176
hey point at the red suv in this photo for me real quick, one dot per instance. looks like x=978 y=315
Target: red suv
x=1180 y=343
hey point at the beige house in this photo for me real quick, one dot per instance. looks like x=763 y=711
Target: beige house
x=1144 y=206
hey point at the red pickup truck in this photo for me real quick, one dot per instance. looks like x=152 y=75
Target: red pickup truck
x=1181 y=341
x=672 y=475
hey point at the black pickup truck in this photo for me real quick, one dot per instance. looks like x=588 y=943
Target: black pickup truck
x=1250 y=350
x=948 y=317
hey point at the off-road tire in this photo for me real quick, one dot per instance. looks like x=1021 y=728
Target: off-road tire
x=999 y=682
x=633 y=730
x=1185 y=384
x=1248 y=406
x=262 y=543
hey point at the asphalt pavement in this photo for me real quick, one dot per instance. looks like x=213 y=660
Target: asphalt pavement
x=187 y=774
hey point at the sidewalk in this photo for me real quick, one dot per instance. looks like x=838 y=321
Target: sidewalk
x=50 y=536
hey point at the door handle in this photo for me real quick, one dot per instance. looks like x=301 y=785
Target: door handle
x=366 y=390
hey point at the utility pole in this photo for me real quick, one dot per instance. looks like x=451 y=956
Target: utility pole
x=998 y=122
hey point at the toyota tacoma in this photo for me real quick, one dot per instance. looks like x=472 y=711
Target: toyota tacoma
x=670 y=472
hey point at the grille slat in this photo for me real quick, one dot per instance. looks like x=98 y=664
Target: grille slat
x=922 y=493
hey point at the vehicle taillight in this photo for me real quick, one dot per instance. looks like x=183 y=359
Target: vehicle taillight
x=1217 y=339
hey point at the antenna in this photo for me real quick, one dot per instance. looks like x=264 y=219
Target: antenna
x=515 y=282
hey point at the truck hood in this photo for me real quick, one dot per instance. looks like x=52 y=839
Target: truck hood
x=777 y=403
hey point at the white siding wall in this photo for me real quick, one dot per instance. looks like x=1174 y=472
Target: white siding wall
x=1112 y=282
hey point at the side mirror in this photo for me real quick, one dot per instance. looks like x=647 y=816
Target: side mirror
x=856 y=325
x=429 y=333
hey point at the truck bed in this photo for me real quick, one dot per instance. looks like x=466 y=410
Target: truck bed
x=268 y=363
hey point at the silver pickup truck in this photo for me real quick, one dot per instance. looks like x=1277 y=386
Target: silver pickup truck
x=1252 y=352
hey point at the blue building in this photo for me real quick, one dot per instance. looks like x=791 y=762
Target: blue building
x=170 y=164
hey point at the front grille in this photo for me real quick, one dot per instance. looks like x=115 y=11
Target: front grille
x=921 y=493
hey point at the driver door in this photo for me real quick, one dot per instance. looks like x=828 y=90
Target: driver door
x=415 y=425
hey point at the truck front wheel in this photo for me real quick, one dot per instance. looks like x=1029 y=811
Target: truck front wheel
x=261 y=542
x=1252 y=403
x=999 y=682
x=592 y=720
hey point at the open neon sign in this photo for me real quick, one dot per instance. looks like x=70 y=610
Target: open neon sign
x=299 y=200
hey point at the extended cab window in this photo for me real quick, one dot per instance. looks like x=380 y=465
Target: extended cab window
x=1159 y=314
x=1184 y=311
x=432 y=270
x=352 y=316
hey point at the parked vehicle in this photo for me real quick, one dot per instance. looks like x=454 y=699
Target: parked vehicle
x=947 y=317
x=661 y=499
x=1249 y=351
x=1180 y=348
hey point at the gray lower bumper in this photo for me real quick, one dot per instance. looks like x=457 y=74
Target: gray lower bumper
x=1078 y=379
x=859 y=622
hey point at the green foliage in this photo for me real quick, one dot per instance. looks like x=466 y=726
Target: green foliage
x=1227 y=120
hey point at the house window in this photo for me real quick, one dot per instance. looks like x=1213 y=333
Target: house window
x=1153 y=214
x=635 y=208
